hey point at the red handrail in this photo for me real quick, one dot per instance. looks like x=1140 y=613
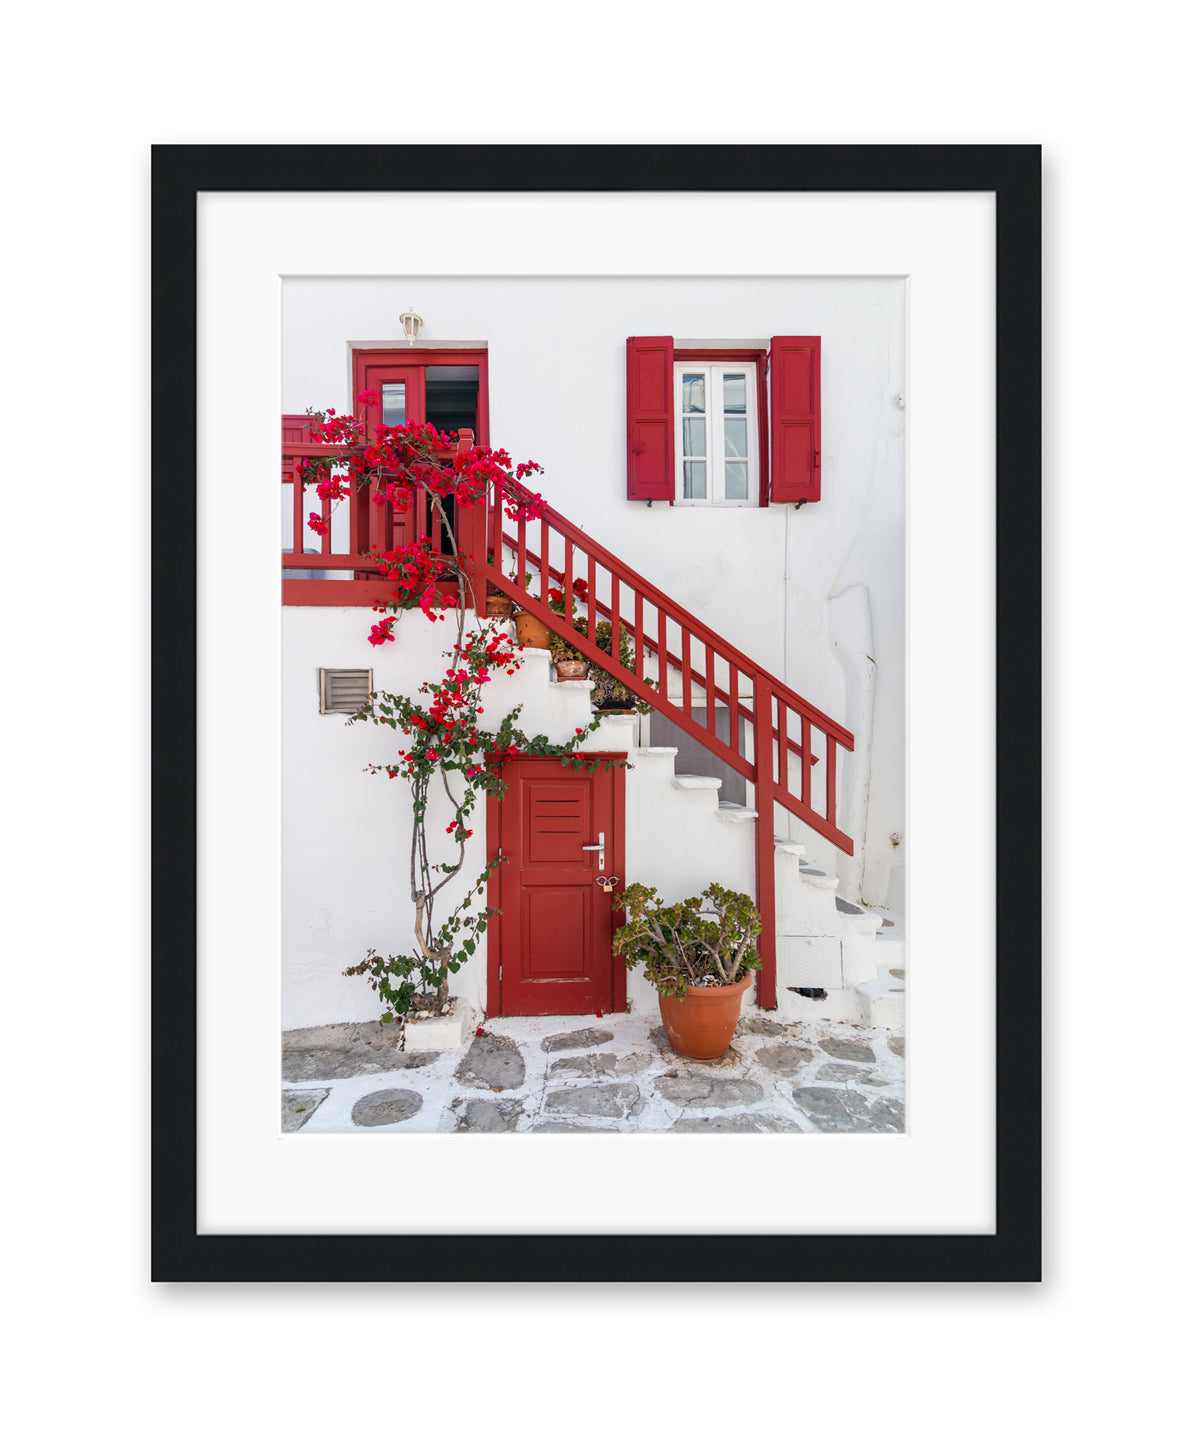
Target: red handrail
x=646 y=593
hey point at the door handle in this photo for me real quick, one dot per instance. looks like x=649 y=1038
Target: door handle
x=599 y=847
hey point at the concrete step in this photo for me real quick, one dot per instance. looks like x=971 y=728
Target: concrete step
x=734 y=814
x=696 y=782
x=883 y=1002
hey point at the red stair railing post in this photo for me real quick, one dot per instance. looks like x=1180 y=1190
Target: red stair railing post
x=297 y=512
x=470 y=540
x=764 y=837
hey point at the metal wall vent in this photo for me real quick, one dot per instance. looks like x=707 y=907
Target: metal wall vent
x=345 y=691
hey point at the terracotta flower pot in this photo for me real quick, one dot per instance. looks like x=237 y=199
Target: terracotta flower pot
x=500 y=605
x=571 y=669
x=531 y=631
x=701 y=1025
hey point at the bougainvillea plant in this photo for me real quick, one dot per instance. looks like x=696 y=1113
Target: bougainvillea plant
x=446 y=747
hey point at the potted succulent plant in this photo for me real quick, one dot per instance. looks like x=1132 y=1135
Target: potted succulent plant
x=699 y=954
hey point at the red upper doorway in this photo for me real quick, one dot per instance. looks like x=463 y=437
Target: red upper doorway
x=444 y=388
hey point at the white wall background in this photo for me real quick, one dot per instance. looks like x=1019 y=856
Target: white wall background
x=816 y=595
x=1099 y=1348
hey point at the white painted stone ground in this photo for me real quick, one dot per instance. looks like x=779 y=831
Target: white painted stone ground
x=612 y=1074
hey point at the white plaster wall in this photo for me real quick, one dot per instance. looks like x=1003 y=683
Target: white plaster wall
x=816 y=595
x=346 y=834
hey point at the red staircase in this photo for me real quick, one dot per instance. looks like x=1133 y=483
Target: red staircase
x=788 y=738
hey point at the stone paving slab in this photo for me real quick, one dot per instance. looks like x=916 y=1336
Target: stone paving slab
x=577 y=1040
x=550 y=1076
x=297 y=1108
x=339 y=1052
x=386 y=1107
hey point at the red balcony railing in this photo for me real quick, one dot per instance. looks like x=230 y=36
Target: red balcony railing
x=371 y=527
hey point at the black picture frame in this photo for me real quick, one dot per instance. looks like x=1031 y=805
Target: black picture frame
x=180 y=173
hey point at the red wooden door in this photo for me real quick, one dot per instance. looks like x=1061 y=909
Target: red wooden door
x=557 y=922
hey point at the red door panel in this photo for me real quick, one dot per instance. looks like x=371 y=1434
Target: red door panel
x=556 y=926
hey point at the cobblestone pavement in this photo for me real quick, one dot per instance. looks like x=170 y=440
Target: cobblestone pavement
x=560 y=1074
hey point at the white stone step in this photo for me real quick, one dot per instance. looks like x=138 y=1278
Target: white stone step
x=734 y=814
x=696 y=782
x=883 y=1002
x=819 y=879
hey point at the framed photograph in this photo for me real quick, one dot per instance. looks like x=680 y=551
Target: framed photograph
x=608 y=847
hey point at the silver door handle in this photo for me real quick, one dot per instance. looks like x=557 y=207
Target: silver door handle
x=599 y=847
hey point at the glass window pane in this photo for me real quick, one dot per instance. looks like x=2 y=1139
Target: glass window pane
x=693 y=394
x=735 y=394
x=452 y=396
x=735 y=437
x=695 y=487
x=736 y=480
x=393 y=403
x=693 y=435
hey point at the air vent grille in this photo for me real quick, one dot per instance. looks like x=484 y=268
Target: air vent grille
x=345 y=691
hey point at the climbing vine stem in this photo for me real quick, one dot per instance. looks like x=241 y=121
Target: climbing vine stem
x=444 y=737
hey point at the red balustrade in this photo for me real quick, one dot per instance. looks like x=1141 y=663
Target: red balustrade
x=372 y=527
x=709 y=671
x=785 y=729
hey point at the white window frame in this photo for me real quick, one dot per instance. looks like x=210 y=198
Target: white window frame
x=714 y=371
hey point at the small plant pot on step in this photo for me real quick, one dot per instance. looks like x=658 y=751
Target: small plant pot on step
x=531 y=631
x=500 y=606
x=571 y=669
x=701 y=1025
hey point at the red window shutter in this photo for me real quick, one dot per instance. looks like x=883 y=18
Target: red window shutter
x=649 y=422
x=295 y=428
x=795 y=418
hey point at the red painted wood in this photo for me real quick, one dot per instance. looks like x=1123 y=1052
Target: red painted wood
x=830 y=780
x=764 y=839
x=795 y=418
x=556 y=925
x=614 y=615
x=492 y=934
x=298 y=520
x=805 y=770
x=649 y=417
x=335 y=592
x=616 y=866
x=638 y=639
